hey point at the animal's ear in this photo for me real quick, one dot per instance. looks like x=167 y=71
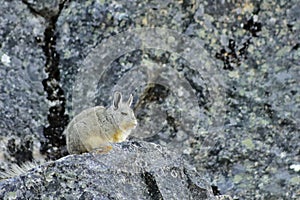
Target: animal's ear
x=129 y=102
x=117 y=100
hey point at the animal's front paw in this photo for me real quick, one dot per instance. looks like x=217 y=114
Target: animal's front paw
x=102 y=150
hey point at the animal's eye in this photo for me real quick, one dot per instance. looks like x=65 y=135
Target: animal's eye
x=124 y=113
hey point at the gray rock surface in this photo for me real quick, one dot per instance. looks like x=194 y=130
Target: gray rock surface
x=241 y=128
x=22 y=102
x=45 y=8
x=23 y=109
x=132 y=170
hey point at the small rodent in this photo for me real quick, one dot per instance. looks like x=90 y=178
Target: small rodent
x=98 y=127
x=93 y=129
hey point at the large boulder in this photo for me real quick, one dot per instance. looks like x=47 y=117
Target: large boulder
x=132 y=170
x=249 y=148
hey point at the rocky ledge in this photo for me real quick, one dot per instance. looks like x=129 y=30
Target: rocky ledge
x=132 y=170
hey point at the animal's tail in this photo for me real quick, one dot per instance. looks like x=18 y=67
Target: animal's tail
x=17 y=170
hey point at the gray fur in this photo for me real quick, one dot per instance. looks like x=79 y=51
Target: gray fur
x=95 y=127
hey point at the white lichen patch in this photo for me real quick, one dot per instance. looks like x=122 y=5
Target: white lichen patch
x=295 y=167
x=5 y=59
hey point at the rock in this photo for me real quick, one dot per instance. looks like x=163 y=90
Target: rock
x=247 y=154
x=46 y=8
x=21 y=70
x=174 y=80
x=132 y=170
x=23 y=109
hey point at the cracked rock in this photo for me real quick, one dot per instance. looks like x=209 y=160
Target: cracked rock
x=132 y=170
x=47 y=9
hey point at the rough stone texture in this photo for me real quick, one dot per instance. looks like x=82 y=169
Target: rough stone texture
x=45 y=8
x=242 y=127
x=132 y=170
x=22 y=102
